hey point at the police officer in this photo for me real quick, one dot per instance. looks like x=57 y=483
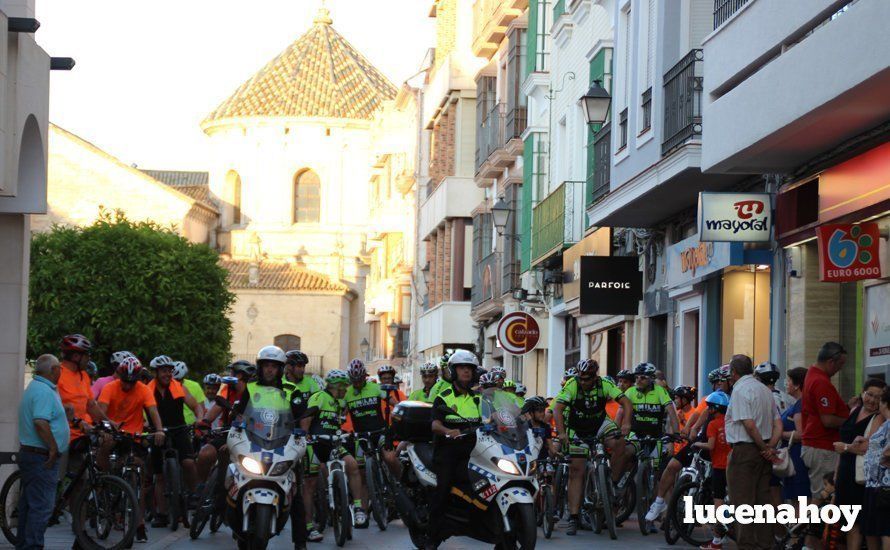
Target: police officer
x=455 y=412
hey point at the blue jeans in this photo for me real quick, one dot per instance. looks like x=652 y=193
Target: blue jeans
x=37 y=500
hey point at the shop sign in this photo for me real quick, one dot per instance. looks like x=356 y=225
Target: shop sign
x=877 y=329
x=518 y=333
x=691 y=259
x=734 y=217
x=598 y=243
x=849 y=252
x=611 y=285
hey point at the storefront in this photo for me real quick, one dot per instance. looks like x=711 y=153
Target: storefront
x=844 y=202
x=721 y=294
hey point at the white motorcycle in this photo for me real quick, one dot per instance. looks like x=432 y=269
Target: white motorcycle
x=497 y=504
x=261 y=481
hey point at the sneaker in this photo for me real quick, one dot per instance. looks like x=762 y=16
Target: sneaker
x=361 y=519
x=573 y=527
x=160 y=520
x=315 y=536
x=711 y=546
x=141 y=535
x=656 y=510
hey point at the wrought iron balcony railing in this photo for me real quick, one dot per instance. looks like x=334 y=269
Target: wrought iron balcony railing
x=556 y=220
x=723 y=10
x=682 y=101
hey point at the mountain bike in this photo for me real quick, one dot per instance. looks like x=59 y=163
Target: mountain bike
x=598 y=490
x=693 y=481
x=376 y=475
x=545 y=504
x=174 y=496
x=210 y=508
x=337 y=487
x=649 y=462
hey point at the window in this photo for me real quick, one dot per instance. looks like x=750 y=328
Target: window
x=307 y=197
x=572 y=342
x=232 y=195
x=287 y=342
x=538 y=36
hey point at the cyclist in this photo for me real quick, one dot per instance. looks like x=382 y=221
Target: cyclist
x=444 y=379
x=580 y=409
x=109 y=374
x=521 y=390
x=124 y=401
x=719 y=450
x=171 y=398
x=180 y=370
x=625 y=379
x=387 y=376
x=509 y=386
x=535 y=409
x=694 y=429
x=295 y=378
x=74 y=385
x=323 y=417
x=451 y=452
x=768 y=374
x=429 y=376
x=488 y=381
x=500 y=374
x=211 y=384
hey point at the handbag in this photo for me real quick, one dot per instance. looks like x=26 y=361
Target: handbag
x=784 y=466
x=860 y=459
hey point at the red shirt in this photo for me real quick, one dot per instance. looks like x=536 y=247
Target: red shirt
x=720 y=452
x=820 y=397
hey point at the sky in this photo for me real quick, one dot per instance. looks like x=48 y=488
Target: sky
x=148 y=71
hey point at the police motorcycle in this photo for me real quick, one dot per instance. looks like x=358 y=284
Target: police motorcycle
x=497 y=505
x=261 y=480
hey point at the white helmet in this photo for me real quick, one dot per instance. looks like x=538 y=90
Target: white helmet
x=271 y=353
x=179 y=370
x=161 y=361
x=463 y=357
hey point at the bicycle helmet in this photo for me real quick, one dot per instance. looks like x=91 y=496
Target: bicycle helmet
x=625 y=374
x=319 y=381
x=129 y=370
x=509 y=384
x=117 y=357
x=384 y=369
x=212 y=380
x=571 y=372
x=428 y=368
x=645 y=369
x=536 y=403
x=180 y=370
x=609 y=379
x=161 y=361
x=245 y=367
x=685 y=392
x=719 y=400
x=487 y=380
x=725 y=372
x=767 y=372
x=271 y=353
x=356 y=370
x=336 y=377
x=443 y=361
x=587 y=365
x=521 y=390
x=92 y=369
x=296 y=357
x=76 y=342
x=500 y=372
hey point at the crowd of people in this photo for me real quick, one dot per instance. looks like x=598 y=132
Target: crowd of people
x=840 y=451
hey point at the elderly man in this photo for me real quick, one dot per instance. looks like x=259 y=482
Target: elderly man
x=43 y=436
x=753 y=429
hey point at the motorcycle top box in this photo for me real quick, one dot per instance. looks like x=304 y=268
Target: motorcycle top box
x=412 y=421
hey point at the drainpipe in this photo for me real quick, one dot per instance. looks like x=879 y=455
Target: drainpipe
x=777 y=284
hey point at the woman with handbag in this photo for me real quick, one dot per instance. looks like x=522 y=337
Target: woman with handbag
x=876 y=509
x=797 y=485
x=849 y=483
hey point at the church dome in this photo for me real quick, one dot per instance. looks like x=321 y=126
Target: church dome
x=319 y=75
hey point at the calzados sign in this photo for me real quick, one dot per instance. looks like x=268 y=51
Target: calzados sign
x=849 y=252
x=734 y=217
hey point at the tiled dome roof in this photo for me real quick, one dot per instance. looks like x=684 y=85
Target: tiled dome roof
x=319 y=75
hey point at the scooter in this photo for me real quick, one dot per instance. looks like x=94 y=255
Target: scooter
x=497 y=505
x=261 y=481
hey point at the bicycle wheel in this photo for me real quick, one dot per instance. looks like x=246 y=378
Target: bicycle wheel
x=205 y=507
x=173 y=491
x=604 y=482
x=110 y=505
x=375 y=491
x=9 y=504
x=693 y=533
x=624 y=504
x=644 y=492
x=321 y=504
x=342 y=517
x=549 y=520
x=590 y=503
x=559 y=492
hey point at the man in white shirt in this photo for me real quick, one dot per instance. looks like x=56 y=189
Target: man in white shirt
x=753 y=429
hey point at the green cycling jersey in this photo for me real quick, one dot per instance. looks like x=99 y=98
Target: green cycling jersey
x=649 y=409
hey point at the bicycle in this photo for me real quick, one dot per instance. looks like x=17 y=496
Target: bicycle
x=377 y=478
x=693 y=481
x=174 y=496
x=545 y=504
x=560 y=487
x=649 y=454
x=100 y=504
x=209 y=508
x=598 y=490
x=337 y=487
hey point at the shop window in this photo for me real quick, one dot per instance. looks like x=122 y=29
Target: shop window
x=572 y=342
x=745 y=319
x=615 y=356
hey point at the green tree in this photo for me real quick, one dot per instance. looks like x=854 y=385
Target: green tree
x=129 y=286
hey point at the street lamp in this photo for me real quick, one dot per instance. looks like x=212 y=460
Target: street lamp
x=365 y=347
x=393 y=329
x=596 y=103
x=500 y=211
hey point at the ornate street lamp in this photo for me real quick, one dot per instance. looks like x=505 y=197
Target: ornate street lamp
x=500 y=212
x=365 y=347
x=596 y=103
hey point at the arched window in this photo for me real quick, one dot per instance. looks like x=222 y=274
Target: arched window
x=307 y=197
x=287 y=342
x=233 y=196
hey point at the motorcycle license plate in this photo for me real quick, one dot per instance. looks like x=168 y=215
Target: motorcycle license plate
x=490 y=492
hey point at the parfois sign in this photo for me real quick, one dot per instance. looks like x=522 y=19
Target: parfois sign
x=518 y=333
x=734 y=217
x=849 y=252
x=610 y=285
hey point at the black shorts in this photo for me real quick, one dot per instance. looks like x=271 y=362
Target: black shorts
x=182 y=442
x=322 y=450
x=718 y=483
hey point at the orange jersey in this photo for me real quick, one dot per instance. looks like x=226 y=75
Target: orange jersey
x=386 y=408
x=612 y=408
x=126 y=406
x=74 y=389
x=176 y=390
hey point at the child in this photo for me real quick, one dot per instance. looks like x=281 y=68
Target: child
x=719 y=449
x=535 y=410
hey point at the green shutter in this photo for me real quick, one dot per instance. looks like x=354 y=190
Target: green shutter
x=532 y=38
x=525 y=203
x=600 y=69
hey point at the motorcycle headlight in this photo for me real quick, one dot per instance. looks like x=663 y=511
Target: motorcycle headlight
x=281 y=468
x=251 y=465
x=508 y=467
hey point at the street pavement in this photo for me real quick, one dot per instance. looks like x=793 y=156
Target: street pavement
x=395 y=537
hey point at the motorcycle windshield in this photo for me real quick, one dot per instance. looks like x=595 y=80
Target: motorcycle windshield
x=501 y=413
x=268 y=428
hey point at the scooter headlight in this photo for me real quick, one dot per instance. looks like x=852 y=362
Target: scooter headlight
x=508 y=467
x=281 y=468
x=251 y=465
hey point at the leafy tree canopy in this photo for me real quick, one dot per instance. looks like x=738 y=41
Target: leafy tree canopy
x=129 y=286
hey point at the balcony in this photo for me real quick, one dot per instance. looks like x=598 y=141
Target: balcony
x=498 y=140
x=455 y=197
x=557 y=221
x=446 y=323
x=682 y=102
x=724 y=9
x=490 y=21
x=794 y=80
x=600 y=179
